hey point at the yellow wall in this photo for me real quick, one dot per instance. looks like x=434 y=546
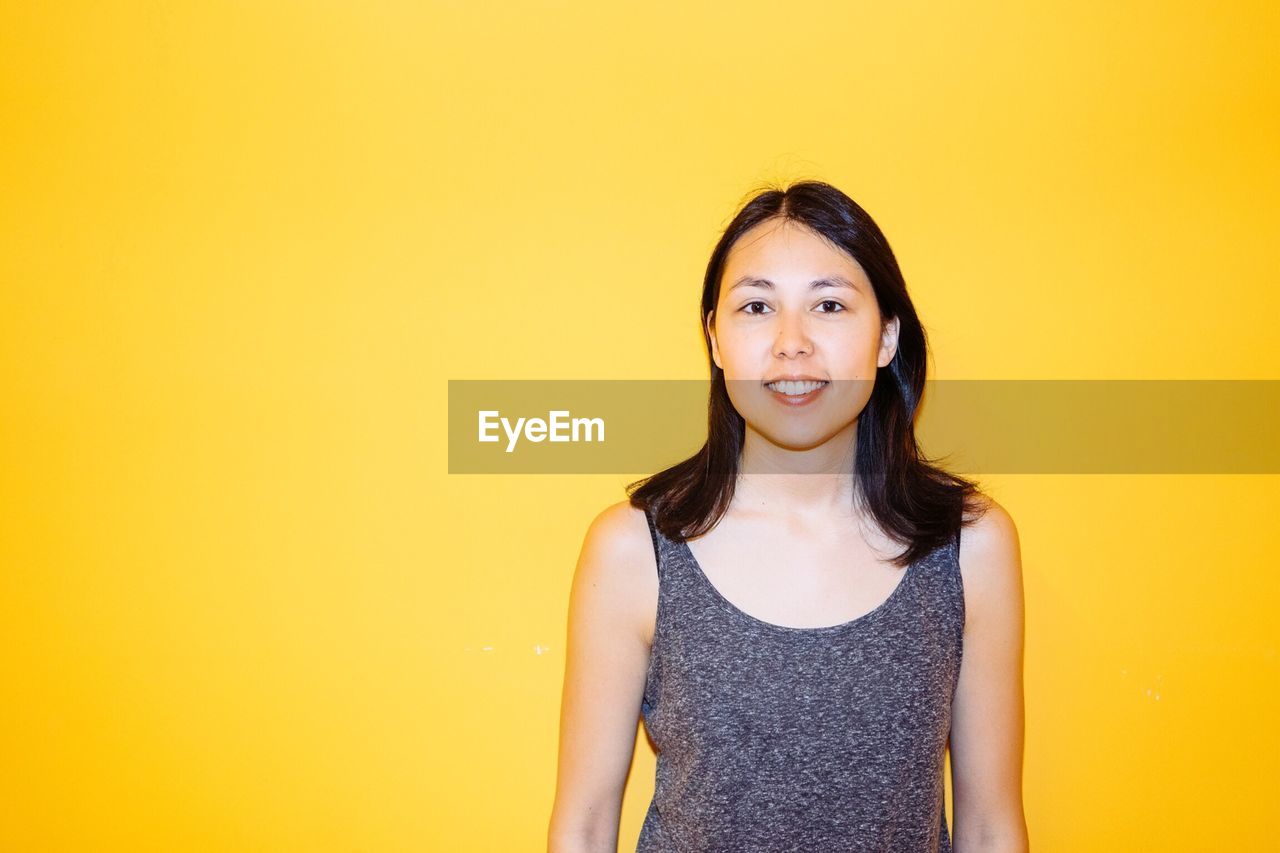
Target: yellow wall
x=245 y=245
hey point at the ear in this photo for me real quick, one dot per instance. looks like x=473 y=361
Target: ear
x=888 y=342
x=711 y=333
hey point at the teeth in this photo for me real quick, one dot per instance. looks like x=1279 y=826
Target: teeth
x=794 y=389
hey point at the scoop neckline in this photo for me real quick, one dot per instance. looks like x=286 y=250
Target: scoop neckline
x=898 y=590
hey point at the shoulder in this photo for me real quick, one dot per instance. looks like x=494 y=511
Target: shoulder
x=620 y=532
x=990 y=531
x=617 y=569
x=991 y=563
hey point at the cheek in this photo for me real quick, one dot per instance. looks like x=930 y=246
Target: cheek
x=737 y=344
x=851 y=357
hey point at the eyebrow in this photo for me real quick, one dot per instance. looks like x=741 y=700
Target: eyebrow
x=829 y=281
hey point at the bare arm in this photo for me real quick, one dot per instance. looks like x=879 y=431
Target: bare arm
x=612 y=605
x=987 y=717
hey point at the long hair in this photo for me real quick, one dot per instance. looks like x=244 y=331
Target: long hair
x=912 y=500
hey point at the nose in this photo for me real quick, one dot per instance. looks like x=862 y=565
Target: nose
x=793 y=338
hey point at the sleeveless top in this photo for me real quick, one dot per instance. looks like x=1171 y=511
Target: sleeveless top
x=773 y=738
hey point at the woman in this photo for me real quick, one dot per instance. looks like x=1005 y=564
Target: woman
x=793 y=610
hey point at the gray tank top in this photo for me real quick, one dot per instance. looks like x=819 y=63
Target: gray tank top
x=772 y=738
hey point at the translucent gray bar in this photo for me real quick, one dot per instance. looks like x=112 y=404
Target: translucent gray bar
x=1211 y=426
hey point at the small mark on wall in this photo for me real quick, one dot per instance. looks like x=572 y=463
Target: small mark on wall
x=1152 y=693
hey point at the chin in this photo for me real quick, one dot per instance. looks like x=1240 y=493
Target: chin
x=798 y=439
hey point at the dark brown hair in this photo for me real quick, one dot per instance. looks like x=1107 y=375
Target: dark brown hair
x=912 y=500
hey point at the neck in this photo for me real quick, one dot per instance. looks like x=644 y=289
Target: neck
x=814 y=481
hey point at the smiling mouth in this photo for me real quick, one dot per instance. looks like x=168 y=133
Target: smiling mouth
x=793 y=388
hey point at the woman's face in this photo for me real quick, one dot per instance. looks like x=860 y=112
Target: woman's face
x=793 y=305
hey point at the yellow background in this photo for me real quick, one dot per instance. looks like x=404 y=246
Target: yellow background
x=245 y=245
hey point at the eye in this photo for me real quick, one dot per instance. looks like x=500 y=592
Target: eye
x=832 y=302
x=748 y=305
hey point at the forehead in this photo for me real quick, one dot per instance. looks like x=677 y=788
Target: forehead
x=781 y=249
